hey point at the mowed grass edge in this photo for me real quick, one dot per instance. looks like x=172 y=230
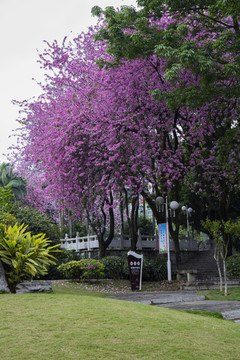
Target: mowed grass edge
x=73 y=326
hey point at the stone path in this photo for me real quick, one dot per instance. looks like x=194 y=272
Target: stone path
x=184 y=300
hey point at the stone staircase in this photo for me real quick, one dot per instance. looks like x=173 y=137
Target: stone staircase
x=203 y=262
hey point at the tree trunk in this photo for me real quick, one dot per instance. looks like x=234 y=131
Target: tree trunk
x=134 y=239
x=121 y=215
x=132 y=219
x=225 y=277
x=216 y=257
x=102 y=246
x=100 y=229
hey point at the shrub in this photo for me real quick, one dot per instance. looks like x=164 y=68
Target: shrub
x=125 y=269
x=24 y=256
x=7 y=219
x=65 y=256
x=154 y=269
x=233 y=266
x=113 y=267
x=62 y=257
x=71 y=270
x=147 y=274
x=6 y=199
x=83 y=269
x=159 y=269
x=92 y=269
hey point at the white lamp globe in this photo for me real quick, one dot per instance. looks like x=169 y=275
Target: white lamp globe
x=174 y=205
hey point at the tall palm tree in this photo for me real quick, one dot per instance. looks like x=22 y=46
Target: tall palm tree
x=9 y=177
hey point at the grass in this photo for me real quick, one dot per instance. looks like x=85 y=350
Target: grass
x=233 y=294
x=214 y=314
x=78 y=322
x=101 y=288
x=111 y=287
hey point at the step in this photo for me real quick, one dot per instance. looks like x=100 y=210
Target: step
x=177 y=298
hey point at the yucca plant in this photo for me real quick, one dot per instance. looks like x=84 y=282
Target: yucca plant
x=24 y=255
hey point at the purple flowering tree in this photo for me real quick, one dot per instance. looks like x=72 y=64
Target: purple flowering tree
x=98 y=132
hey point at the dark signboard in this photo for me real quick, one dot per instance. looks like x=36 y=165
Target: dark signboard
x=135 y=264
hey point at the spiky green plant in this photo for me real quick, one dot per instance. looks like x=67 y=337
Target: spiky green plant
x=24 y=255
x=10 y=178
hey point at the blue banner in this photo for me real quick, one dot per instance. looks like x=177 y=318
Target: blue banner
x=162 y=238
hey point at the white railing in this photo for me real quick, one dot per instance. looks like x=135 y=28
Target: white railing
x=120 y=242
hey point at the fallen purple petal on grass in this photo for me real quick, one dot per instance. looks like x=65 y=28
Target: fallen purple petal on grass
x=110 y=287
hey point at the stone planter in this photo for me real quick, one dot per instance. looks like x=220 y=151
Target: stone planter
x=34 y=286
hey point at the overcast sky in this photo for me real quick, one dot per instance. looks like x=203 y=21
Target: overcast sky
x=24 y=25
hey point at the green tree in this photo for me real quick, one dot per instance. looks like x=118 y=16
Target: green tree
x=16 y=212
x=221 y=232
x=36 y=221
x=202 y=36
x=145 y=225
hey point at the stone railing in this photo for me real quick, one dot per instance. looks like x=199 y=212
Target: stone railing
x=121 y=242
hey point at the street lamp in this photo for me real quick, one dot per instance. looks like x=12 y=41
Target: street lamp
x=162 y=205
x=187 y=211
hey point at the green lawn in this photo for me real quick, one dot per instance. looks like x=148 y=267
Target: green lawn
x=73 y=324
x=233 y=294
x=106 y=287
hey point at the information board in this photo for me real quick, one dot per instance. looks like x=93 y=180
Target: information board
x=135 y=263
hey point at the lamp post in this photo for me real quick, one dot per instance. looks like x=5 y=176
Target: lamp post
x=187 y=211
x=161 y=205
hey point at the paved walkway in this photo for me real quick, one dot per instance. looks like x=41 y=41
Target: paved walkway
x=184 y=300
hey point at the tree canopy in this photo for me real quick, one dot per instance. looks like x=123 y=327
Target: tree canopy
x=98 y=132
x=198 y=35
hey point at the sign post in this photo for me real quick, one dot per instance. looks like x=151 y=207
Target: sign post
x=163 y=230
x=135 y=264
